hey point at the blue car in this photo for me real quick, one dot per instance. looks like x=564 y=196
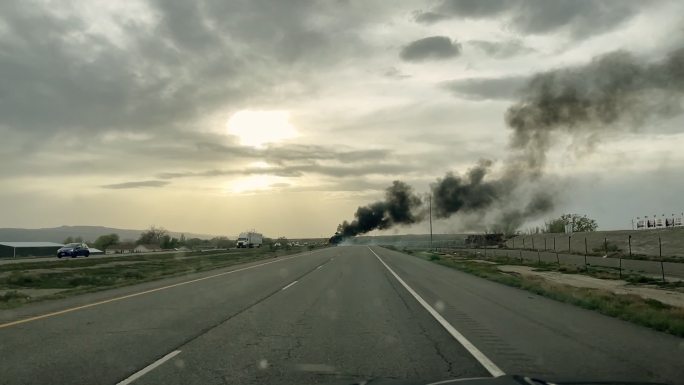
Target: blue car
x=73 y=250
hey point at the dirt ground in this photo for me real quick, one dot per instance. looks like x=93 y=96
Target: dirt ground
x=669 y=297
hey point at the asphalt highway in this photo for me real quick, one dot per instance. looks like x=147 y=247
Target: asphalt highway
x=335 y=315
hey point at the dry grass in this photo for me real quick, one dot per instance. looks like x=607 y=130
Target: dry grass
x=645 y=312
x=78 y=276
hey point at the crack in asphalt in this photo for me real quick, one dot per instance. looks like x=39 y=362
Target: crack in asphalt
x=423 y=331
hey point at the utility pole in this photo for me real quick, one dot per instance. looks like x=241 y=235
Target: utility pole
x=430 y=221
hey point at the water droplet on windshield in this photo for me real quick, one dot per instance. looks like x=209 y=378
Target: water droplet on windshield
x=263 y=364
x=439 y=306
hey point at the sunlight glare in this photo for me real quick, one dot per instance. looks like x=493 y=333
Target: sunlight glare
x=252 y=184
x=256 y=128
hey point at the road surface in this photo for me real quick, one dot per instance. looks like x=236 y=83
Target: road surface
x=328 y=316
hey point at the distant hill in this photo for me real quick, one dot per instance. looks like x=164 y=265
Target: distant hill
x=88 y=233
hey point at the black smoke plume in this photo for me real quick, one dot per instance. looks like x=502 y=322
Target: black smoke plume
x=510 y=219
x=469 y=193
x=613 y=92
x=400 y=206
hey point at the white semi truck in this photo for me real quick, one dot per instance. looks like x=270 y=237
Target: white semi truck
x=249 y=239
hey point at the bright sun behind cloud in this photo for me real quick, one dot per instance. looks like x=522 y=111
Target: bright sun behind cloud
x=256 y=128
x=252 y=183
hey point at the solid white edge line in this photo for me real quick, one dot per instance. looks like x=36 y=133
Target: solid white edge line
x=288 y=286
x=148 y=368
x=475 y=352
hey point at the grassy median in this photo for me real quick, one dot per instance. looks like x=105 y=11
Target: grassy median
x=22 y=283
x=645 y=312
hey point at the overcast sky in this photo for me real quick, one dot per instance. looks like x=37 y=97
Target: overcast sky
x=284 y=116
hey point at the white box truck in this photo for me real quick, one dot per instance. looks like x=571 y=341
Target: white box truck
x=249 y=239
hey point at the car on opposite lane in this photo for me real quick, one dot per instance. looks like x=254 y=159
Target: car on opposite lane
x=73 y=250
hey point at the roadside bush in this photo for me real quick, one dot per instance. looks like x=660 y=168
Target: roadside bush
x=20 y=279
x=132 y=274
x=13 y=295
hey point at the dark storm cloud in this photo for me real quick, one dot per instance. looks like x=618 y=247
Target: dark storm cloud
x=297 y=170
x=188 y=154
x=140 y=184
x=362 y=155
x=431 y=48
x=580 y=17
x=448 y=9
x=501 y=49
x=292 y=152
x=66 y=83
x=317 y=152
x=504 y=88
x=58 y=74
x=474 y=8
x=285 y=160
x=430 y=17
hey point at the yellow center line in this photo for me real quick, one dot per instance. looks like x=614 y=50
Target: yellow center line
x=69 y=310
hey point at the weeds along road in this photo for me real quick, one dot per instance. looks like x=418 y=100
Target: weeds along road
x=673 y=271
x=336 y=313
x=7 y=261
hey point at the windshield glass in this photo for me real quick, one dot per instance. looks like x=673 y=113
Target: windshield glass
x=341 y=191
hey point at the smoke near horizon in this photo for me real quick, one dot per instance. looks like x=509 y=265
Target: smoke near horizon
x=399 y=207
x=614 y=92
